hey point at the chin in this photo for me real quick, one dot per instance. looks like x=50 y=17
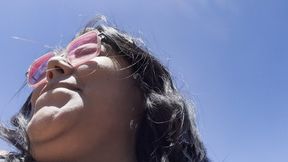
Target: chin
x=41 y=124
x=53 y=118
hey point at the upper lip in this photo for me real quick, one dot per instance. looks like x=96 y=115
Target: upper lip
x=49 y=86
x=70 y=86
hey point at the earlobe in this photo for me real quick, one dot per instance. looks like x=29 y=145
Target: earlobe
x=133 y=124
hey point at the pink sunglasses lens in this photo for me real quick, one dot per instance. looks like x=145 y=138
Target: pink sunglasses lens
x=84 y=48
x=90 y=37
x=79 y=50
x=37 y=70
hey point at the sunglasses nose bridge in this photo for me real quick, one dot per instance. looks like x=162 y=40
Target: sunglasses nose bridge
x=58 y=66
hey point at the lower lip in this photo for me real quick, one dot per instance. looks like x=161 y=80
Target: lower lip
x=57 y=89
x=56 y=97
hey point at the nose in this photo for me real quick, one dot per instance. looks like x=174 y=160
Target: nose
x=58 y=67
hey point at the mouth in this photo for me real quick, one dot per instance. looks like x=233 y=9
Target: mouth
x=51 y=87
x=56 y=95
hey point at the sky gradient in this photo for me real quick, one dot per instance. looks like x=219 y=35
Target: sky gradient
x=229 y=57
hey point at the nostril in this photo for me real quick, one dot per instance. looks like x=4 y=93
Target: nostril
x=59 y=69
x=50 y=75
x=53 y=72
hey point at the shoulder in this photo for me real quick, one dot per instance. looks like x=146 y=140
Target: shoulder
x=2 y=159
x=3 y=153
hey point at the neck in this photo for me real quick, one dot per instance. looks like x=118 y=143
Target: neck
x=112 y=150
x=115 y=153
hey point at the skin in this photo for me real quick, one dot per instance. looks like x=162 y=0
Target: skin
x=84 y=113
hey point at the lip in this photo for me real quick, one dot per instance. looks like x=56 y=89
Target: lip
x=50 y=87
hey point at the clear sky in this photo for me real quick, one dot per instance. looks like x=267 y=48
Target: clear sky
x=230 y=57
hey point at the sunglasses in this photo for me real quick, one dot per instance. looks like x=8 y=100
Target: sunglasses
x=80 y=50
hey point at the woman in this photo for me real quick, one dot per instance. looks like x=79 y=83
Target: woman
x=103 y=98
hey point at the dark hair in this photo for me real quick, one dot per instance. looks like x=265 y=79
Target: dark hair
x=167 y=132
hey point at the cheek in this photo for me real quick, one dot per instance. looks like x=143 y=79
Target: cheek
x=108 y=100
x=97 y=64
x=35 y=94
x=105 y=91
x=100 y=77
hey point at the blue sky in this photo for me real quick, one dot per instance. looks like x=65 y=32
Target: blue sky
x=229 y=57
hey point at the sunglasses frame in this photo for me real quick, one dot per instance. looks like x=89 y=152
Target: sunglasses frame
x=70 y=50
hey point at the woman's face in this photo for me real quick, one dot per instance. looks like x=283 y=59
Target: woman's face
x=83 y=108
